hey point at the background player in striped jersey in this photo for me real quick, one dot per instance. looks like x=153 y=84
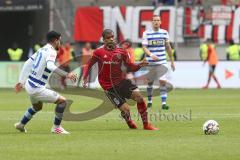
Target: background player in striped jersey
x=155 y=45
x=34 y=76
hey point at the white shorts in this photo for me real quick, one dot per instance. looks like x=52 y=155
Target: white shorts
x=41 y=94
x=159 y=72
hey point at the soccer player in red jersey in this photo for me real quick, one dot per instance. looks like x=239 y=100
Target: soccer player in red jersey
x=112 y=79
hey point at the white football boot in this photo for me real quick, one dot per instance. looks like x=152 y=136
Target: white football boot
x=59 y=130
x=21 y=127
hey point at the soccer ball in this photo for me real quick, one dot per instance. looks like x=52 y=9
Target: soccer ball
x=210 y=127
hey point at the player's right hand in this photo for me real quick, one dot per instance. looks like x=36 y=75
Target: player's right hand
x=18 y=87
x=84 y=83
x=143 y=63
x=154 y=57
x=72 y=76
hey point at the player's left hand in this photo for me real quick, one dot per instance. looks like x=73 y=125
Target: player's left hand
x=72 y=76
x=143 y=63
x=173 y=66
x=18 y=87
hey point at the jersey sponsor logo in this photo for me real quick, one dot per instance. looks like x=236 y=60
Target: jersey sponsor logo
x=156 y=42
x=110 y=62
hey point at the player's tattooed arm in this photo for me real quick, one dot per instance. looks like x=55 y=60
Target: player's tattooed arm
x=52 y=67
x=90 y=63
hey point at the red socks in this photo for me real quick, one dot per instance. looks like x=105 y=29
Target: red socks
x=126 y=116
x=142 y=110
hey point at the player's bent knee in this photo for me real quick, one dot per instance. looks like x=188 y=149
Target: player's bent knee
x=139 y=99
x=124 y=108
x=61 y=99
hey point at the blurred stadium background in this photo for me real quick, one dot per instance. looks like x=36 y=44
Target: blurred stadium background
x=190 y=23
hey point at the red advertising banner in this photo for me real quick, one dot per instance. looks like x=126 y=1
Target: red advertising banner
x=88 y=24
x=181 y=23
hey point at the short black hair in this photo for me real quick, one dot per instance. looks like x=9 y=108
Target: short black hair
x=106 y=32
x=52 y=36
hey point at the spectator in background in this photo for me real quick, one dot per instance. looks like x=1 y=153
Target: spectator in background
x=34 y=48
x=190 y=2
x=64 y=57
x=203 y=51
x=157 y=3
x=173 y=52
x=127 y=46
x=15 y=53
x=139 y=56
x=212 y=61
x=233 y=51
x=139 y=53
x=87 y=52
x=239 y=48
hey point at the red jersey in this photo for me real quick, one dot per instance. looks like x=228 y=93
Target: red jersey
x=110 y=64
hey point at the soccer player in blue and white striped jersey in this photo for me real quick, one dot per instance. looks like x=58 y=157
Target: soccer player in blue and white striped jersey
x=155 y=45
x=34 y=76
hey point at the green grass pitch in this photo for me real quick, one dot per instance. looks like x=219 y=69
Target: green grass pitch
x=108 y=137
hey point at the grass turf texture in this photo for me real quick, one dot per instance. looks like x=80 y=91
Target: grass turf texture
x=108 y=137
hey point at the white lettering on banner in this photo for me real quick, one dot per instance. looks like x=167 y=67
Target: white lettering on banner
x=236 y=25
x=107 y=16
x=208 y=31
x=132 y=24
x=180 y=13
x=221 y=15
x=172 y=13
x=195 y=21
x=221 y=35
x=124 y=23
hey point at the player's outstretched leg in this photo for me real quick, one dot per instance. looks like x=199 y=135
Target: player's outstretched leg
x=57 y=128
x=142 y=110
x=125 y=113
x=27 y=117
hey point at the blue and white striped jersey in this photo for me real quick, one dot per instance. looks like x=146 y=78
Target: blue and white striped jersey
x=155 y=42
x=39 y=73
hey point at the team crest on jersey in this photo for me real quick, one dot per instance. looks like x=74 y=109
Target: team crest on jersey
x=119 y=56
x=157 y=42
